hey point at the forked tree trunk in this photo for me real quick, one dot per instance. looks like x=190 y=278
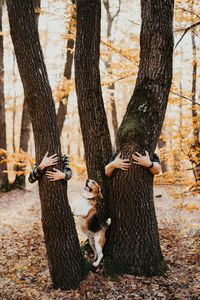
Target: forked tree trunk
x=63 y=251
x=133 y=246
x=3 y=145
x=62 y=109
x=25 y=123
x=95 y=132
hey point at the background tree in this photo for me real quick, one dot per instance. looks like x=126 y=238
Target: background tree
x=62 y=109
x=63 y=251
x=111 y=87
x=3 y=144
x=133 y=246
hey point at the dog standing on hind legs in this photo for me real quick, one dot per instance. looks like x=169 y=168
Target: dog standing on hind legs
x=85 y=209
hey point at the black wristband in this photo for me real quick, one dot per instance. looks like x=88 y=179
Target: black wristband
x=151 y=165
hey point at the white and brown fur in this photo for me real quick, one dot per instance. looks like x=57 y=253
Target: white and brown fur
x=86 y=210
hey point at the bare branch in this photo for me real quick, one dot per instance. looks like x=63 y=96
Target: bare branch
x=187 y=10
x=118 y=11
x=184 y=97
x=185 y=31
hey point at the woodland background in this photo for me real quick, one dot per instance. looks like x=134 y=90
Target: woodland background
x=24 y=271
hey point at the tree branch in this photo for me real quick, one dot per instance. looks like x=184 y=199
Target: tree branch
x=185 y=31
x=187 y=10
x=118 y=11
x=184 y=97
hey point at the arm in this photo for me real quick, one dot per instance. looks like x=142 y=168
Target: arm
x=117 y=163
x=38 y=171
x=144 y=161
x=65 y=174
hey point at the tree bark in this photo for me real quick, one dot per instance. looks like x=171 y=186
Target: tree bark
x=194 y=153
x=4 y=184
x=63 y=251
x=133 y=246
x=62 y=109
x=111 y=87
x=95 y=132
x=20 y=180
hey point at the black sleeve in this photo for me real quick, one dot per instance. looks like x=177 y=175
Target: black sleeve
x=111 y=158
x=156 y=158
x=66 y=168
x=35 y=174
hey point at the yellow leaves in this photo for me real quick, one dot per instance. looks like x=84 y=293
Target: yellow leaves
x=20 y=158
x=126 y=53
x=188 y=207
x=64 y=89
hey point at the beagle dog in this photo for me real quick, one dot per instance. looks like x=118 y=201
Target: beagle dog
x=86 y=210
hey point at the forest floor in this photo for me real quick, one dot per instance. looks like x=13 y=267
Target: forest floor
x=23 y=265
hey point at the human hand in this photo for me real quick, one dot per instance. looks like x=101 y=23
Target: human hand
x=142 y=160
x=120 y=163
x=48 y=161
x=56 y=175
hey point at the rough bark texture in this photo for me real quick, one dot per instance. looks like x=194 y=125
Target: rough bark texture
x=63 y=251
x=95 y=132
x=3 y=145
x=133 y=246
x=26 y=122
x=62 y=109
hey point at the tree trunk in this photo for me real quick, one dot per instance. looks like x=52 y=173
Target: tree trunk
x=194 y=153
x=95 y=132
x=62 y=109
x=20 y=180
x=111 y=87
x=133 y=246
x=162 y=146
x=4 y=185
x=63 y=251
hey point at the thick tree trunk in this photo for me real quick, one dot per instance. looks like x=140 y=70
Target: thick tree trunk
x=63 y=251
x=62 y=109
x=95 y=132
x=3 y=166
x=133 y=246
x=20 y=180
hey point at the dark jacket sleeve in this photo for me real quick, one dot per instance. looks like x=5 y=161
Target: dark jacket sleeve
x=156 y=158
x=66 y=169
x=35 y=174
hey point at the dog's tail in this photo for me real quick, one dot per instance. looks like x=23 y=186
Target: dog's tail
x=108 y=222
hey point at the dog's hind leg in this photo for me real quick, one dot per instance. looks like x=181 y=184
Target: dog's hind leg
x=99 y=241
x=92 y=245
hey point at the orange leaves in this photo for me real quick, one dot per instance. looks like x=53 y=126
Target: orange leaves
x=64 y=89
x=19 y=158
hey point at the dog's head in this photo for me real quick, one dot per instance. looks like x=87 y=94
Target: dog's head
x=92 y=189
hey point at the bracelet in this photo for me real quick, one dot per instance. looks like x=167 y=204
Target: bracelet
x=151 y=166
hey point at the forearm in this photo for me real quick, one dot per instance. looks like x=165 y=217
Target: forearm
x=156 y=169
x=35 y=174
x=109 y=169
